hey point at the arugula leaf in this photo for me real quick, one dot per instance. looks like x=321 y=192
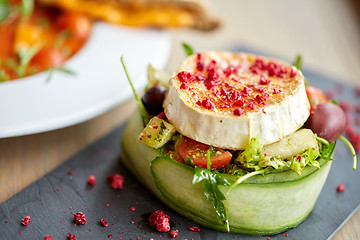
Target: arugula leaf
x=188 y=49
x=211 y=181
x=144 y=114
x=5 y=10
x=189 y=161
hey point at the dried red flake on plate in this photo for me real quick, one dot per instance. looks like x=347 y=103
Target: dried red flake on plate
x=70 y=173
x=269 y=238
x=285 y=235
x=26 y=220
x=91 y=180
x=340 y=188
x=48 y=237
x=194 y=229
x=117 y=181
x=174 y=233
x=109 y=235
x=132 y=208
x=71 y=236
x=104 y=223
x=160 y=220
x=79 y=218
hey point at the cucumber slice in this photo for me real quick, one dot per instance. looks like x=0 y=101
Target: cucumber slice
x=262 y=205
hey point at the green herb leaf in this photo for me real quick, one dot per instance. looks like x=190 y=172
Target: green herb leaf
x=3 y=76
x=145 y=116
x=352 y=150
x=60 y=69
x=189 y=161
x=26 y=8
x=298 y=62
x=208 y=156
x=188 y=49
x=25 y=56
x=211 y=181
x=5 y=10
x=243 y=178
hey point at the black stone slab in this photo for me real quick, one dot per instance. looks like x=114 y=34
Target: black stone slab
x=52 y=199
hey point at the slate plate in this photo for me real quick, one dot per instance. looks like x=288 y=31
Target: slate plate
x=52 y=199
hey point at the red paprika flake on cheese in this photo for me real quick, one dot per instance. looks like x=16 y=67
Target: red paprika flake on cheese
x=26 y=220
x=160 y=220
x=186 y=77
x=79 y=218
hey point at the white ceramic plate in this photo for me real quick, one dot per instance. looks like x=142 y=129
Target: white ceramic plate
x=32 y=105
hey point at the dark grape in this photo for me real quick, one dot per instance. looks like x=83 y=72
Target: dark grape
x=328 y=121
x=153 y=99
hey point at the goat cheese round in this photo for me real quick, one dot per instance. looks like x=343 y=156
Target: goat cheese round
x=224 y=99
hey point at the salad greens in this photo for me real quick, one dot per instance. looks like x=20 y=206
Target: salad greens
x=144 y=114
x=211 y=181
x=188 y=49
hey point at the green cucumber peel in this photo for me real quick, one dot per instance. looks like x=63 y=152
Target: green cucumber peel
x=144 y=115
x=188 y=49
x=352 y=150
x=211 y=181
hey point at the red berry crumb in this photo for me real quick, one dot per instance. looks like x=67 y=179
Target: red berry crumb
x=269 y=238
x=340 y=188
x=71 y=236
x=104 y=223
x=91 y=180
x=285 y=235
x=174 y=233
x=26 y=220
x=70 y=173
x=132 y=209
x=107 y=205
x=79 y=218
x=194 y=229
x=109 y=235
x=117 y=181
x=160 y=220
x=238 y=111
x=48 y=237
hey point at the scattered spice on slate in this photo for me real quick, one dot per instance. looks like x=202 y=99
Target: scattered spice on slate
x=194 y=229
x=285 y=235
x=109 y=235
x=107 y=205
x=91 y=180
x=71 y=236
x=104 y=223
x=70 y=173
x=174 y=233
x=340 y=188
x=26 y=220
x=48 y=237
x=160 y=220
x=117 y=181
x=132 y=208
x=58 y=189
x=79 y=218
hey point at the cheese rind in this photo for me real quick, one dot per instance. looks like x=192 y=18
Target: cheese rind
x=275 y=118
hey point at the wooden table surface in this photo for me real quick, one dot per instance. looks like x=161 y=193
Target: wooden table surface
x=325 y=32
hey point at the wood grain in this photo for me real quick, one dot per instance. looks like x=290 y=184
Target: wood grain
x=326 y=33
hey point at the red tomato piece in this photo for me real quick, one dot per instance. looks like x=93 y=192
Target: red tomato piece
x=315 y=96
x=198 y=153
x=78 y=24
x=48 y=58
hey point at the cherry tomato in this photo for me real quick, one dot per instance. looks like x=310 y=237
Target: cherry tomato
x=315 y=96
x=78 y=24
x=198 y=153
x=48 y=58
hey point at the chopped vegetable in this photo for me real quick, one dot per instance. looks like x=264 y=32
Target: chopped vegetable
x=188 y=49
